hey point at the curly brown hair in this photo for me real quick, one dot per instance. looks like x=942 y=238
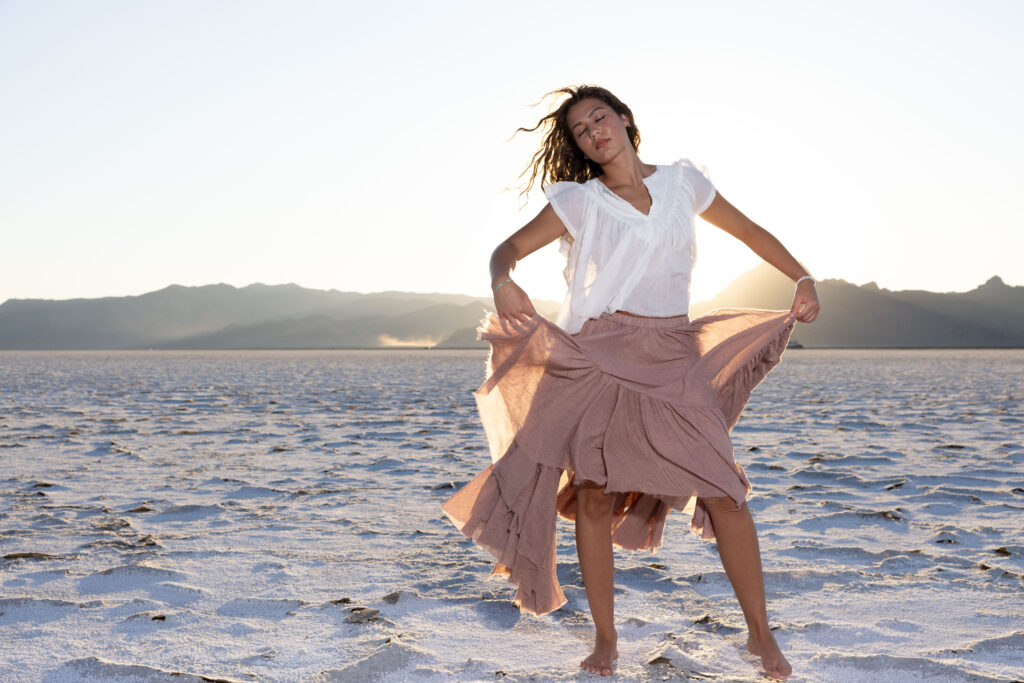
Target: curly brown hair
x=559 y=158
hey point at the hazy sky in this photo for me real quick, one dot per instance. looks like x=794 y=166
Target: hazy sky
x=362 y=146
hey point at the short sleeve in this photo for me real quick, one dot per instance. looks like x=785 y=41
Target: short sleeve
x=569 y=200
x=701 y=189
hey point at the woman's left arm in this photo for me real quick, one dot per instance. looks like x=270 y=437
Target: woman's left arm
x=724 y=215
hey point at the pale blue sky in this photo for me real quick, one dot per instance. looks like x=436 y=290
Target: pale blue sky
x=364 y=147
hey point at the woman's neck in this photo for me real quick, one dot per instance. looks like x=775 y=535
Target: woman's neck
x=625 y=170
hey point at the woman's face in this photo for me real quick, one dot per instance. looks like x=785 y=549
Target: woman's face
x=598 y=131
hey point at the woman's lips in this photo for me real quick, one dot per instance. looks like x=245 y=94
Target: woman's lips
x=601 y=143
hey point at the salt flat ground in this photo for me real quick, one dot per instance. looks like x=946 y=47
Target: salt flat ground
x=275 y=516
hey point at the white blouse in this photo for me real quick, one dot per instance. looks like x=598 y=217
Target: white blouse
x=618 y=259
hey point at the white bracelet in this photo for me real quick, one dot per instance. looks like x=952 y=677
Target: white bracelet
x=805 y=277
x=502 y=283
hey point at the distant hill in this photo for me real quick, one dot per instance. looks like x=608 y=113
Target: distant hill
x=290 y=317
x=258 y=316
x=991 y=315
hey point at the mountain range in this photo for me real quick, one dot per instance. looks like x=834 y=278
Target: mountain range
x=291 y=317
x=866 y=316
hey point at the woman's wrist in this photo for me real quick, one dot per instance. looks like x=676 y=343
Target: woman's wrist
x=805 y=277
x=495 y=288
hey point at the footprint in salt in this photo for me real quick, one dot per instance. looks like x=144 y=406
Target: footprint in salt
x=37 y=578
x=246 y=492
x=853 y=518
x=188 y=513
x=98 y=669
x=850 y=666
x=699 y=655
x=499 y=615
x=274 y=571
x=103 y=448
x=127 y=578
x=904 y=563
x=848 y=633
x=649 y=577
x=178 y=594
x=899 y=626
x=395 y=659
x=260 y=608
x=34 y=610
x=1005 y=649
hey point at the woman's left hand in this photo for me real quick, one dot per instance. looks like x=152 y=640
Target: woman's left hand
x=805 y=302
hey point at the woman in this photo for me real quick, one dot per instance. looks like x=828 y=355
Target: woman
x=621 y=409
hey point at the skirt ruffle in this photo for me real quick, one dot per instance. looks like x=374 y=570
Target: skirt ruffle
x=639 y=406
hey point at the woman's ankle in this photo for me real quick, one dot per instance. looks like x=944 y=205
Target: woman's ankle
x=760 y=631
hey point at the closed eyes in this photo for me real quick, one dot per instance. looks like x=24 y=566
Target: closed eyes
x=584 y=130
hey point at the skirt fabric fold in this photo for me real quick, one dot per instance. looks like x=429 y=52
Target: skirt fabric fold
x=641 y=407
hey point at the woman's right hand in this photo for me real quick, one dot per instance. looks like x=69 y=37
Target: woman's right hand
x=512 y=303
x=510 y=300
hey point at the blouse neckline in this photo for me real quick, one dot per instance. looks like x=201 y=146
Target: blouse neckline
x=615 y=201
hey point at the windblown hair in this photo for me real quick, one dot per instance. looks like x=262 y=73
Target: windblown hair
x=559 y=158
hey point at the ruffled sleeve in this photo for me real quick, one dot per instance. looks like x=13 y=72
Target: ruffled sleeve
x=698 y=184
x=569 y=200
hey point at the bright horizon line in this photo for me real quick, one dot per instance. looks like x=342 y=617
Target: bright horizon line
x=476 y=296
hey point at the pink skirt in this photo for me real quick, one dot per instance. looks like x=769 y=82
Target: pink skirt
x=640 y=406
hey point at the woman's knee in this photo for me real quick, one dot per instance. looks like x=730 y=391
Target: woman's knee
x=592 y=502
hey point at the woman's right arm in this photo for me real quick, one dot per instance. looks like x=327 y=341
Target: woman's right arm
x=510 y=300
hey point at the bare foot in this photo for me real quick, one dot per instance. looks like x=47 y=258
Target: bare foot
x=767 y=649
x=600 y=660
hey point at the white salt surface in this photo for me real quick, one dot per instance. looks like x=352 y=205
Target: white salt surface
x=276 y=517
